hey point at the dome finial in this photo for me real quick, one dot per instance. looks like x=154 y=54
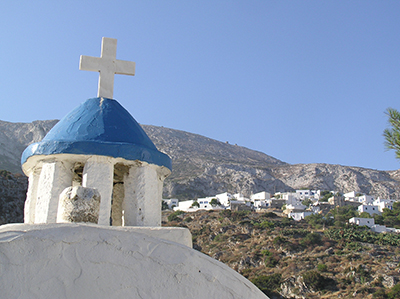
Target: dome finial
x=107 y=65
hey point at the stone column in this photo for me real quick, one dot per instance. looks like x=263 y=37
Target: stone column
x=54 y=178
x=142 y=204
x=98 y=173
x=31 y=196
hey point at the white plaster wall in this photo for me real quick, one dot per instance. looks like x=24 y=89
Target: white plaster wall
x=82 y=261
x=184 y=205
x=31 y=196
x=98 y=173
x=143 y=195
x=367 y=199
x=171 y=202
x=362 y=221
x=379 y=228
x=369 y=209
x=260 y=196
x=54 y=178
x=224 y=198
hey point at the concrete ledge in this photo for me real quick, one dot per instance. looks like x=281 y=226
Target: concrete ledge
x=178 y=235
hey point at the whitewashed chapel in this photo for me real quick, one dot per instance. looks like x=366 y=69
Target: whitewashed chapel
x=98 y=145
x=97 y=167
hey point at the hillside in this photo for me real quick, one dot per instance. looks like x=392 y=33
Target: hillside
x=288 y=259
x=15 y=137
x=205 y=167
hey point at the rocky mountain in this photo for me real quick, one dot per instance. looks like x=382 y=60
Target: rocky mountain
x=205 y=167
x=12 y=197
x=15 y=137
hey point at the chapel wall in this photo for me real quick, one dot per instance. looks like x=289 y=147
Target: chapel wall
x=131 y=193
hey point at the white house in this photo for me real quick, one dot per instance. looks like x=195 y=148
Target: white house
x=379 y=228
x=362 y=221
x=172 y=202
x=384 y=204
x=224 y=198
x=366 y=199
x=205 y=203
x=240 y=197
x=260 y=196
x=350 y=195
x=291 y=198
x=297 y=216
x=297 y=206
x=371 y=209
x=259 y=204
x=185 y=206
x=303 y=194
x=392 y=230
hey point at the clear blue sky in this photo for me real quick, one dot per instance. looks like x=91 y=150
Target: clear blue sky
x=302 y=81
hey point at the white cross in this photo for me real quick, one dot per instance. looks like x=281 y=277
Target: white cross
x=107 y=65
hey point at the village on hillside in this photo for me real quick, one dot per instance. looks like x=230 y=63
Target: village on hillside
x=296 y=205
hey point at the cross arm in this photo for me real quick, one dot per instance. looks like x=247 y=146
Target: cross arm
x=124 y=67
x=89 y=63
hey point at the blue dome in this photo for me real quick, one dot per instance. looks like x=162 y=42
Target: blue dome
x=99 y=126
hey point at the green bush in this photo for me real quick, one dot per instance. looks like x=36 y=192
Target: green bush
x=362 y=234
x=317 y=220
x=220 y=238
x=311 y=239
x=195 y=204
x=265 y=224
x=164 y=205
x=322 y=267
x=238 y=215
x=174 y=216
x=268 y=284
x=215 y=202
x=269 y=215
x=362 y=273
x=325 y=195
x=286 y=221
x=343 y=214
x=314 y=280
x=271 y=261
x=394 y=292
x=266 y=252
x=379 y=294
x=225 y=213
x=279 y=240
x=354 y=246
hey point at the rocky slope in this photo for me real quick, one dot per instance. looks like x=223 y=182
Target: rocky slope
x=12 y=197
x=288 y=259
x=205 y=167
x=15 y=137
